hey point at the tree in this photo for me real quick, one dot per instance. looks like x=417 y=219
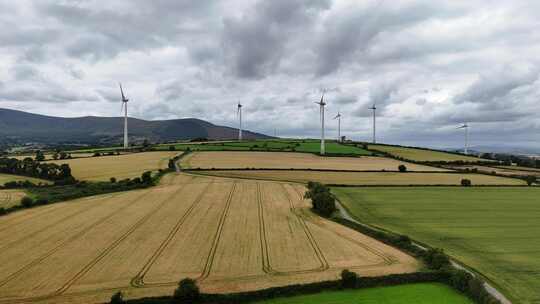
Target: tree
x=27 y=201
x=187 y=291
x=466 y=182
x=171 y=164
x=436 y=259
x=172 y=148
x=530 y=179
x=40 y=156
x=117 y=298
x=56 y=156
x=113 y=180
x=402 y=168
x=147 y=177
x=322 y=200
x=64 y=155
x=348 y=279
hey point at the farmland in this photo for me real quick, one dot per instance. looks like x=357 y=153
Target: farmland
x=366 y=178
x=4 y=178
x=308 y=146
x=288 y=160
x=494 y=230
x=10 y=198
x=119 y=166
x=425 y=293
x=231 y=235
x=507 y=171
x=422 y=155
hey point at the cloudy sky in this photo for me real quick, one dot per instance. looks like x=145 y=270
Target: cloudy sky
x=427 y=65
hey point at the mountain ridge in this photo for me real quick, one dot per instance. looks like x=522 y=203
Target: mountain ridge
x=21 y=127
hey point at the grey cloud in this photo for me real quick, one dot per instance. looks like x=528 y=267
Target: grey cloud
x=255 y=43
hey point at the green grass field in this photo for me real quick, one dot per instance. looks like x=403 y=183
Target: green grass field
x=311 y=146
x=494 y=230
x=421 y=154
x=424 y=293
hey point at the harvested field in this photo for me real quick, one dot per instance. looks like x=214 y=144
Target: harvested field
x=423 y=155
x=366 y=178
x=231 y=235
x=10 y=198
x=289 y=160
x=4 y=178
x=119 y=166
x=508 y=171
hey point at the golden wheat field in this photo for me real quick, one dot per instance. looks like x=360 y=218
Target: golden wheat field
x=10 y=198
x=366 y=178
x=119 y=166
x=229 y=234
x=285 y=160
x=508 y=171
x=423 y=154
x=4 y=178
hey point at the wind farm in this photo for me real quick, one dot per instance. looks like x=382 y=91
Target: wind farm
x=269 y=152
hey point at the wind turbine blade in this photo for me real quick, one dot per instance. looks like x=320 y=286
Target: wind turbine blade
x=122 y=92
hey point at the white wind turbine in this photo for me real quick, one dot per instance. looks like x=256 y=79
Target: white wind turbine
x=124 y=107
x=239 y=114
x=338 y=117
x=322 y=104
x=374 y=108
x=466 y=127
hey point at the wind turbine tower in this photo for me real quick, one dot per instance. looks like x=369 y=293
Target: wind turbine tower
x=321 y=105
x=239 y=113
x=374 y=108
x=466 y=127
x=124 y=107
x=338 y=117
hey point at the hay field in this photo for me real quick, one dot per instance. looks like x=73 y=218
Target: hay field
x=499 y=170
x=366 y=178
x=10 y=198
x=231 y=235
x=119 y=166
x=290 y=160
x=494 y=230
x=4 y=178
x=422 y=155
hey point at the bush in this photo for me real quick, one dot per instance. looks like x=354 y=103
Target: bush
x=531 y=179
x=187 y=291
x=146 y=177
x=41 y=201
x=459 y=279
x=113 y=180
x=402 y=168
x=27 y=201
x=171 y=164
x=466 y=182
x=117 y=298
x=323 y=202
x=348 y=279
x=172 y=148
x=436 y=259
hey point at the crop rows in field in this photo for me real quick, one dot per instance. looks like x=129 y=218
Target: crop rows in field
x=423 y=155
x=230 y=235
x=288 y=160
x=10 y=198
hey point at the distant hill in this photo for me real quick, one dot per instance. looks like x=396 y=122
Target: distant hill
x=23 y=127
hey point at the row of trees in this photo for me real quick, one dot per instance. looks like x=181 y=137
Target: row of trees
x=33 y=168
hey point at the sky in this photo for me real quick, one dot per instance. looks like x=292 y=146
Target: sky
x=429 y=66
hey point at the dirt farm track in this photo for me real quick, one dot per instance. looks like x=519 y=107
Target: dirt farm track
x=231 y=235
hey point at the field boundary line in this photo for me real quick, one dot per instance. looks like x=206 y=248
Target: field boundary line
x=138 y=280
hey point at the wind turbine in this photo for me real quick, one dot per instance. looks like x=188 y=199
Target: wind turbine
x=466 y=127
x=373 y=108
x=338 y=117
x=239 y=114
x=124 y=107
x=322 y=104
